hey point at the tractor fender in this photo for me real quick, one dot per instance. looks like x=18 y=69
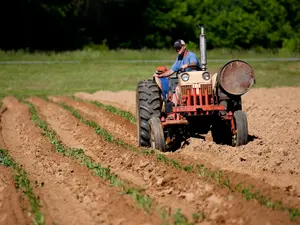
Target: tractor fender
x=163 y=84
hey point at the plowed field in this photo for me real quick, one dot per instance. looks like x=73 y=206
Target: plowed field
x=83 y=165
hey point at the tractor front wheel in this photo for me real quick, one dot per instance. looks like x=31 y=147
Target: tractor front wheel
x=241 y=126
x=157 y=137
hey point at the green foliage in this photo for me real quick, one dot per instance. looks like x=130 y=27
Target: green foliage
x=292 y=44
x=191 y=45
x=22 y=182
x=93 y=71
x=96 y=47
x=235 y=24
x=126 y=115
x=179 y=219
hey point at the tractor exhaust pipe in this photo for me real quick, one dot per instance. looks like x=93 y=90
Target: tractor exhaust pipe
x=202 y=40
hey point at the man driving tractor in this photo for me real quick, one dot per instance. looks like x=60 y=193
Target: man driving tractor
x=204 y=101
x=185 y=61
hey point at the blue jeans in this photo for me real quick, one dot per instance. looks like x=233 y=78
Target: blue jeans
x=165 y=86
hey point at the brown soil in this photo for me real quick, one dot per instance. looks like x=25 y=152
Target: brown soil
x=274 y=125
x=167 y=185
x=70 y=194
x=124 y=100
x=111 y=122
x=12 y=206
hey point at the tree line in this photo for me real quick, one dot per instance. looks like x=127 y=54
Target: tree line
x=136 y=24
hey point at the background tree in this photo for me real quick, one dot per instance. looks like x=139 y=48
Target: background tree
x=72 y=24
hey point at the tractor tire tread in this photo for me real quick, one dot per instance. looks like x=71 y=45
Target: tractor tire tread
x=148 y=104
x=241 y=127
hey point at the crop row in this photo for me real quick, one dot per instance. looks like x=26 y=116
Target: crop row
x=250 y=192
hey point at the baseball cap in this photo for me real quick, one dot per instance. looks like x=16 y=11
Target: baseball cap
x=178 y=43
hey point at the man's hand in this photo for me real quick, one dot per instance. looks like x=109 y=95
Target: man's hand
x=156 y=75
x=184 y=66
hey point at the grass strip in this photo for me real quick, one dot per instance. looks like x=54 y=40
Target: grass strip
x=218 y=176
x=126 y=115
x=143 y=201
x=22 y=182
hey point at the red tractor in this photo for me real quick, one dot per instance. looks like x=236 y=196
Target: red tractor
x=204 y=102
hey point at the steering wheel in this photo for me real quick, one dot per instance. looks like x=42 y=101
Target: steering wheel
x=179 y=71
x=182 y=70
x=189 y=66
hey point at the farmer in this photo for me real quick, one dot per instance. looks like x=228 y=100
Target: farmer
x=186 y=60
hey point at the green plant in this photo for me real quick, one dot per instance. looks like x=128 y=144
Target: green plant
x=97 y=47
x=23 y=183
x=215 y=176
x=142 y=200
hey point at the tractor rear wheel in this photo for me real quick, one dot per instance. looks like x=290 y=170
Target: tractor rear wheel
x=241 y=124
x=157 y=138
x=148 y=104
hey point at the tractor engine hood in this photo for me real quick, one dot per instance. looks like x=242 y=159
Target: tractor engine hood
x=236 y=77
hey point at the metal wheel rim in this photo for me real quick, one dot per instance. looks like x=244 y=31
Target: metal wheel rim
x=152 y=142
x=234 y=139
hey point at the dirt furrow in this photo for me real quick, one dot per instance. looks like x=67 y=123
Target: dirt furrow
x=274 y=125
x=110 y=122
x=274 y=187
x=124 y=100
x=12 y=205
x=69 y=193
x=73 y=133
x=166 y=184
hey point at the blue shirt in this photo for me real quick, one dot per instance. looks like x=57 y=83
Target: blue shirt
x=189 y=58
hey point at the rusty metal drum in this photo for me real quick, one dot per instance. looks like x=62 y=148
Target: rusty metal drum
x=236 y=77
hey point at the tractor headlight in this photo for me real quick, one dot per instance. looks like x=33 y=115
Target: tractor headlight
x=185 y=77
x=206 y=76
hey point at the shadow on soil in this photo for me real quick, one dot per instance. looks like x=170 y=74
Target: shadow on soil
x=183 y=143
x=252 y=138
